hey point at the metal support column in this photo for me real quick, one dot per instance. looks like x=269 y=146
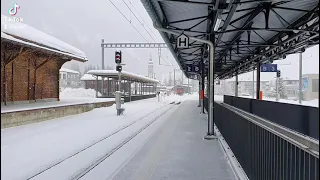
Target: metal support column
x=300 y=77
x=253 y=83
x=102 y=50
x=188 y=87
x=119 y=76
x=102 y=86
x=258 y=81
x=202 y=87
x=199 y=92
x=210 y=134
x=211 y=90
x=277 y=88
x=236 y=86
x=130 y=90
x=97 y=86
x=182 y=78
x=109 y=86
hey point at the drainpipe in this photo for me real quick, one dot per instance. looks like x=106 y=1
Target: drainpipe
x=210 y=134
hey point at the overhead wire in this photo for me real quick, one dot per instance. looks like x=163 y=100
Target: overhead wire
x=142 y=18
x=142 y=24
x=138 y=20
x=128 y=20
x=133 y=25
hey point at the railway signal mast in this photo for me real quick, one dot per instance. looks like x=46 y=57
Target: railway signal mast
x=118 y=98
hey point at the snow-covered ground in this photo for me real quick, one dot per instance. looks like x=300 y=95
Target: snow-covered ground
x=68 y=96
x=65 y=101
x=28 y=149
x=78 y=92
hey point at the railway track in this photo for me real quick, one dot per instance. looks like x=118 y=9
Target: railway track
x=97 y=161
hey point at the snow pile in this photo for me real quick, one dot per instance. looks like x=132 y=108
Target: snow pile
x=78 y=92
x=89 y=77
x=68 y=70
x=24 y=31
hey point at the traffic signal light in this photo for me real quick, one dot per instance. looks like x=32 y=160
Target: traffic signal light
x=119 y=68
x=118 y=57
x=278 y=73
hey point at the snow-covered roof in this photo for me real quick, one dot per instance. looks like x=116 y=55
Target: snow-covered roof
x=124 y=74
x=89 y=77
x=68 y=70
x=13 y=31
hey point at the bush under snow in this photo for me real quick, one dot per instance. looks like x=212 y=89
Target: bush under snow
x=78 y=92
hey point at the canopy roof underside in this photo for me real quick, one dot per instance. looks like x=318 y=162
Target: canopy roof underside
x=250 y=31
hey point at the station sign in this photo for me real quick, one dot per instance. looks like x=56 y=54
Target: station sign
x=193 y=69
x=182 y=41
x=268 y=68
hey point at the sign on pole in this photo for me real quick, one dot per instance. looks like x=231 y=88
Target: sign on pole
x=183 y=41
x=268 y=68
x=193 y=69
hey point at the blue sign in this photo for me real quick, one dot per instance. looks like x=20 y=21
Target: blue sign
x=305 y=83
x=268 y=68
x=193 y=69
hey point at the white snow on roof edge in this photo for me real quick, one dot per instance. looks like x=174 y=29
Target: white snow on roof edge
x=29 y=33
x=68 y=70
x=89 y=77
x=11 y=38
x=125 y=73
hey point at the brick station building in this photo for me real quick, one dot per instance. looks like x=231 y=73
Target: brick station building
x=29 y=68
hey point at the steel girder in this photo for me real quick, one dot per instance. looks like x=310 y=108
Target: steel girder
x=239 y=43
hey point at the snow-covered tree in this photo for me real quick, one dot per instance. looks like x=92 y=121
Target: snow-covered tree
x=88 y=67
x=170 y=82
x=109 y=67
x=281 y=89
x=165 y=82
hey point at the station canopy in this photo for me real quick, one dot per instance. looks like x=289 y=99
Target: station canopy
x=245 y=32
x=124 y=75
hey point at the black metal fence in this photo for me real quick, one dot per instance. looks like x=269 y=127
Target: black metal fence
x=263 y=153
x=139 y=97
x=303 y=119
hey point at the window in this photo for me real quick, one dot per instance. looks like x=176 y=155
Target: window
x=315 y=85
x=64 y=76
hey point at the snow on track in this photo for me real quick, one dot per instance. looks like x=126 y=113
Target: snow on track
x=30 y=148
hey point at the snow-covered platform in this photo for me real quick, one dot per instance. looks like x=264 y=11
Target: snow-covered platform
x=20 y=114
x=63 y=102
x=177 y=150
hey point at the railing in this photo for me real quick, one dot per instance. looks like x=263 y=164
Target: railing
x=267 y=151
x=303 y=119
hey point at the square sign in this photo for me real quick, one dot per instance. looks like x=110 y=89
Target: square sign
x=193 y=69
x=182 y=41
x=268 y=68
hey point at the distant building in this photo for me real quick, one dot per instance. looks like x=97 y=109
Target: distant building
x=245 y=87
x=291 y=87
x=310 y=86
x=90 y=82
x=69 y=79
x=150 y=69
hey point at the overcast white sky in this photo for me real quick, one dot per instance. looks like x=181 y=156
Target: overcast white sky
x=84 y=23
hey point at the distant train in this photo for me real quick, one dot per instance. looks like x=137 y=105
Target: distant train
x=179 y=90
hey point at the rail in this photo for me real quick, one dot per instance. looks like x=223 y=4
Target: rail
x=267 y=150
